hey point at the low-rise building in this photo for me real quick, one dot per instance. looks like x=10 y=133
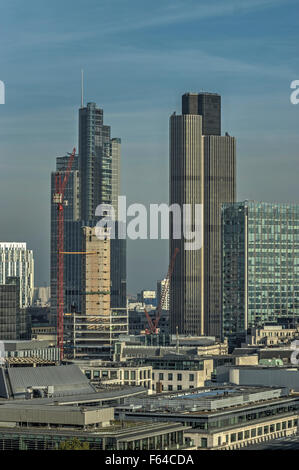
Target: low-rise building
x=117 y=373
x=279 y=376
x=271 y=335
x=222 y=417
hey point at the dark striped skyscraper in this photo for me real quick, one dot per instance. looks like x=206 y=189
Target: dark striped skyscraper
x=202 y=171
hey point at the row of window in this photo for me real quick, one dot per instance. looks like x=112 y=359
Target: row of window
x=170 y=378
x=255 y=432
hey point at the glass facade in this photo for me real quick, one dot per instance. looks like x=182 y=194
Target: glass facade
x=260 y=265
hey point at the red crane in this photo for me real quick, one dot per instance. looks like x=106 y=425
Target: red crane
x=153 y=324
x=58 y=198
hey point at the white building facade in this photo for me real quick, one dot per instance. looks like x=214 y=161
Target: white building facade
x=17 y=261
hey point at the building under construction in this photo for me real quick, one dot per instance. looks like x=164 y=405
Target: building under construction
x=92 y=332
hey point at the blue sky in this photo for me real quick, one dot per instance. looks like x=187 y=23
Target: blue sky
x=138 y=58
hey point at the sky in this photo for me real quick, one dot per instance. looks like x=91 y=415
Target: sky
x=139 y=57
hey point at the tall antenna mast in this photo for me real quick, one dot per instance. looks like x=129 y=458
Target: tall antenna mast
x=82 y=88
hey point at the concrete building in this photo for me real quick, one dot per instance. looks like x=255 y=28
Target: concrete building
x=146 y=346
x=52 y=381
x=38 y=349
x=202 y=171
x=271 y=335
x=178 y=371
x=17 y=261
x=95 y=273
x=160 y=286
x=284 y=376
x=92 y=428
x=92 y=333
x=222 y=417
x=260 y=274
x=41 y=296
x=111 y=373
x=147 y=297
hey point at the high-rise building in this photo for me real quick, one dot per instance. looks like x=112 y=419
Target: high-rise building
x=17 y=261
x=207 y=105
x=93 y=180
x=260 y=266
x=95 y=273
x=94 y=160
x=99 y=164
x=93 y=332
x=71 y=224
x=14 y=321
x=115 y=145
x=202 y=171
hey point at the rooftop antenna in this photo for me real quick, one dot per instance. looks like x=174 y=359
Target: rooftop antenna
x=82 y=88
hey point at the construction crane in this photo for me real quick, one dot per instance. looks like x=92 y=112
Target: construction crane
x=58 y=199
x=153 y=323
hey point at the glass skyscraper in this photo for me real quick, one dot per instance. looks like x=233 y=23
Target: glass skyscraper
x=260 y=265
x=99 y=165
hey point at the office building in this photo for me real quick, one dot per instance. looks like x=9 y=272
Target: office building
x=202 y=172
x=14 y=322
x=160 y=287
x=99 y=165
x=71 y=233
x=17 y=261
x=207 y=105
x=222 y=417
x=260 y=273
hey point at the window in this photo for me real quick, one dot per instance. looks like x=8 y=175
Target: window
x=253 y=432
x=191 y=377
x=266 y=429
x=259 y=431
x=179 y=377
x=233 y=437
x=170 y=376
x=170 y=388
x=240 y=436
x=161 y=376
x=246 y=435
x=204 y=442
x=284 y=425
x=179 y=387
x=278 y=426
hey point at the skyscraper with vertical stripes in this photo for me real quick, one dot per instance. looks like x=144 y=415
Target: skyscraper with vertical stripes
x=202 y=171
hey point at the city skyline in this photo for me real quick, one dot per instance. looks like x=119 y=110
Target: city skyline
x=255 y=92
